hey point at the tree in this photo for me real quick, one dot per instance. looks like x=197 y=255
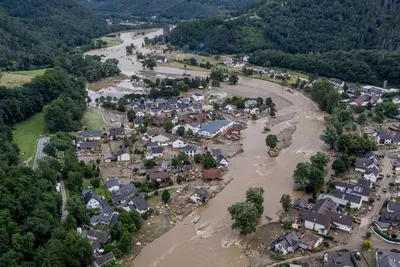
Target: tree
x=316 y=178
x=255 y=195
x=209 y=162
x=217 y=74
x=271 y=140
x=301 y=174
x=366 y=244
x=149 y=63
x=286 y=202
x=379 y=117
x=233 y=78
x=150 y=163
x=355 y=144
x=193 y=61
x=131 y=115
x=240 y=103
x=75 y=180
x=168 y=126
x=330 y=136
x=50 y=150
x=260 y=101
x=165 y=196
x=245 y=216
x=176 y=162
x=125 y=244
x=361 y=119
x=324 y=93
x=198 y=158
x=181 y=131
x=339 y=166
x=320 y=160
x=116 y=231
x=268 y=101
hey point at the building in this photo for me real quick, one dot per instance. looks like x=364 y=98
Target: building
x=104 y=259
x=393 y=206
x=107 y=218
x=123 y=154
x=197 y=97
x=362 y=188
x=337 y=259
x=383 y=137
x=387 y=258
x=200 y=195
x=137 y=122
x=137 y=203
x=96 y=238
x=158 y=178
x=250 y=102
x=190 y=151
x=210 y=130
x=310 y=241
x=112 y=185
x=92 y=201
x=315 y=221
x=222 y=162
x=285 y=244
x=371 y=175
x=344 y=199
x=92 y=135
x=362 y=164
x=116 y=133
x=178 y=143
x=125 y=192
x=88 y=145
x=212 y=174
x=157 y=151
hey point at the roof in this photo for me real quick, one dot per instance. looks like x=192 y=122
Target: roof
x=197 y=106
x=390 y=217
x=104 y=259
x=346 y=196
x=396 y=138
x=156 y=150
x=158 y=175
x=301 y=204
x=312 y=216
x=309 y=239
x=153 y=144
x=123 y=151
x=363 y=163
x=373 y=171
x=212 y=174
x=323 y=205
x=160 y=138
x=88 y=134
x=138 y=120
x=189 y=149
x=106 y=215
x=288 y=240
x=216 y=152
x=181 y=105
x=152 y=132
x=89 y=145
x=383 y=135
x=387 y=259
x=202 y=193
x=393 y=206
x=117 y=131
x=112 y=182
x=125 y=191
x=370 y=154
x=96 y=238
x=338 y=259
x=89 y=195
x=340 y=218
x=140 y=203
x=359 y=189
x=214 y=126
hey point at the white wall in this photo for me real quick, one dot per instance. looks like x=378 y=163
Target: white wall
x=313 y=226
x=124 y=157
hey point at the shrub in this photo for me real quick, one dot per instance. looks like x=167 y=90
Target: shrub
x=287 y=225
x=369 y=234
x=156 y=193
x=327 y=237
x=171 y=182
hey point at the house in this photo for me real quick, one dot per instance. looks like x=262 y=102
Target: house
x=383 y=137
x=228 y=107
x=181 y=107
x=196 y=107
x=149 y=134
x=387 y=258
x=96 y=238
x=253 y=110
x=116 y=133
x=140 y=114
x=137 y=203
x=250 y=102
x=107 y=217
x=222 y=162
x=212 y=174
x=358 y=102
x=201 y=117
x=197 y=97
x=344 y=199
x=155 y=111
x=396 y=139
x=264 y=108
x=200 y=195
x=109 y=157
x=362 y=188
x=160 y=101
x=125 y=192
x=150 y=144
x=89 y=145
x=123 y=154
x=210 y=130
x=390 y=218
x=301 y=204
x=104 y=259
x=371 y=174
x=112 y=185
x=393 y=207
x=285 y=244
x=158 y=178
x=336 y=82
x=137 y=122
x=157 y=151
x=310 y=241
x=337 y=259
x=315 y=221
x=216 y=152
x=169 y=108
x=178 y=143
x=160 y=138
x=236 y=113
x=361 y=164
x=340 y=221
x=190 y=151
x=91 y=135
x=92 y=201
x=233 y=133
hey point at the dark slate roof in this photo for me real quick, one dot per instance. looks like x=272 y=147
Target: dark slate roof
x=390 y=217
x=203 y=193
x=112 y=182
x=396 y=138
x=117 y=131
x=138 y=120
x=323 y=205
x=216 y=152
x=340 y=218
x=88 y=134
x=106 y=215
x=288 y=240
x=158 y=175
x=189 y=148
x=383 y=135
x=123 y=151
x=393 y=206
x=363 y=163
x=172 y=100
x=125 y=191
x=355 y=189
x=370 y=154
x=140 y=203
x=375 y=171
x=153 y=144
x=338 y=259
x=346 y=196
x=387 y=259
x=181 y=106
x=89 y=195
x=96 y=238
x=197 y=106
x=214 y=126
x=89 y=145
x=157 y=150
x=300 y=203
x=104 y=259
x=312 y=216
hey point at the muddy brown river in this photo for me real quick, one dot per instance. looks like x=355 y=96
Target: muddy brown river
x=211 y=242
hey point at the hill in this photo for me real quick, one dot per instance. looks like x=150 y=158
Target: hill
x=181 y=9
x=318 y=30
x=34 y=31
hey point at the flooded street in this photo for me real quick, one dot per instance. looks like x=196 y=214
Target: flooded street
x=211 y=242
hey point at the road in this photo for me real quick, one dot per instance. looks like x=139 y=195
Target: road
x=40 y=155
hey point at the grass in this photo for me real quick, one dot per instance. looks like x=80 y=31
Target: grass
x=155 y=200
x=27 y=133
x=18 y=78
x=92 y=120
x=111 y=41
x=101 y=191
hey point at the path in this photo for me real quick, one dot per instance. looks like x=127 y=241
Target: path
x=39 y=151
x=64 y=211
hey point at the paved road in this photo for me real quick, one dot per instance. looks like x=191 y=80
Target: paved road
x=39 y=151
x=64 y=211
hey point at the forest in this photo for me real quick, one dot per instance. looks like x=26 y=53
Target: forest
x=180 y=9
x=347 y=39
x=33 y=32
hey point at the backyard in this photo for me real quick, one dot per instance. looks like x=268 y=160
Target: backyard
x=92 y=120
x=27 y=133
x=111 y=41
x=18 y=78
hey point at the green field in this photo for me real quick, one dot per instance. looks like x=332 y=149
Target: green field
x=18 y=78
x=27 y=133
x=92 y=121
x=111 y=41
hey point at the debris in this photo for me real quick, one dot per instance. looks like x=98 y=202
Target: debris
x=196 y=219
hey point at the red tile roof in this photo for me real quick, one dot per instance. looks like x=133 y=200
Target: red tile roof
x=212 y=174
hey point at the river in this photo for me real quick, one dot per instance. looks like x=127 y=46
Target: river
x=211 y=242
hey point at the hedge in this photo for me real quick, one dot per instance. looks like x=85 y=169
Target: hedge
x=379 y=232
x=326 y=236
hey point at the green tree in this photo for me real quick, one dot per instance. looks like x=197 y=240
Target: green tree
x=245 y=217
x=316 y=178
x=125 y=243
x=330 y=136
x=116 y=231
x=150 y=163
x=260 y=101
x=168 y=126
x=131 y=115
x=271 y=140
x=302 y=174
x=361 y=119
x=256 y=196
x=366 y=244
x=379 y=117
x=181 y=131
x=165 y=196
x=233 y=78
x=286 y=202
x=176 y=162
x=50 y=150
x=240 y=103
x=355 y=144
x=217 y=74
x=198 y=158
x=339 y=166
x=320 y=160
x=209 y=162
x=324 y=93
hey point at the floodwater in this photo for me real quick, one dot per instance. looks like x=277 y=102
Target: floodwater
x=211 y=242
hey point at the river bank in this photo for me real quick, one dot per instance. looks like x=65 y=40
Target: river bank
x=211 y=242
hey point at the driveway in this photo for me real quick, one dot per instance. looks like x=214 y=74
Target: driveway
x=39 y=151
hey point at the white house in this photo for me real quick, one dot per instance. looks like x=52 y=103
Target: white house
x=197 y=97
x=157 y=152
x=92 y=135
x=310 y=241
x=254 y=110
x=210 y=130
x=222 y=162
x=362 y=164
x=137 y=203
x=190 y=151
x=315 y=221
x=361 y=189
x=140 y=114
x=137 y=122
x=112 y=185
x=383 y=137
x=343 y=198
x=178 y=143
x=228 y=107
x=200 y=195
x=371 y=174
x=92 y=201
x=285 y=244
x=123 y=155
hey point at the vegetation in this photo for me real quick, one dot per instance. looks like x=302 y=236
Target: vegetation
x=165 y=196
x=92 y=120
x=286 y=202
x=18 y=78
x=346 y=40
x=271 y=140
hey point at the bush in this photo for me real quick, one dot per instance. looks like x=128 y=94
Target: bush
x=325 y=244
x=287 y=225
x=171 y=182
x=366 y=244
x=327 y=237
x=156 y=193
x=369 y=234
x=165 y=196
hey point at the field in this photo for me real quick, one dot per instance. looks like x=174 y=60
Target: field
x=111 y=41
x=27 y=133
x=92 y=120
x=18 y=78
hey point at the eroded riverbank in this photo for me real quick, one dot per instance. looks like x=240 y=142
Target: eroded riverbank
x=211 y=242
